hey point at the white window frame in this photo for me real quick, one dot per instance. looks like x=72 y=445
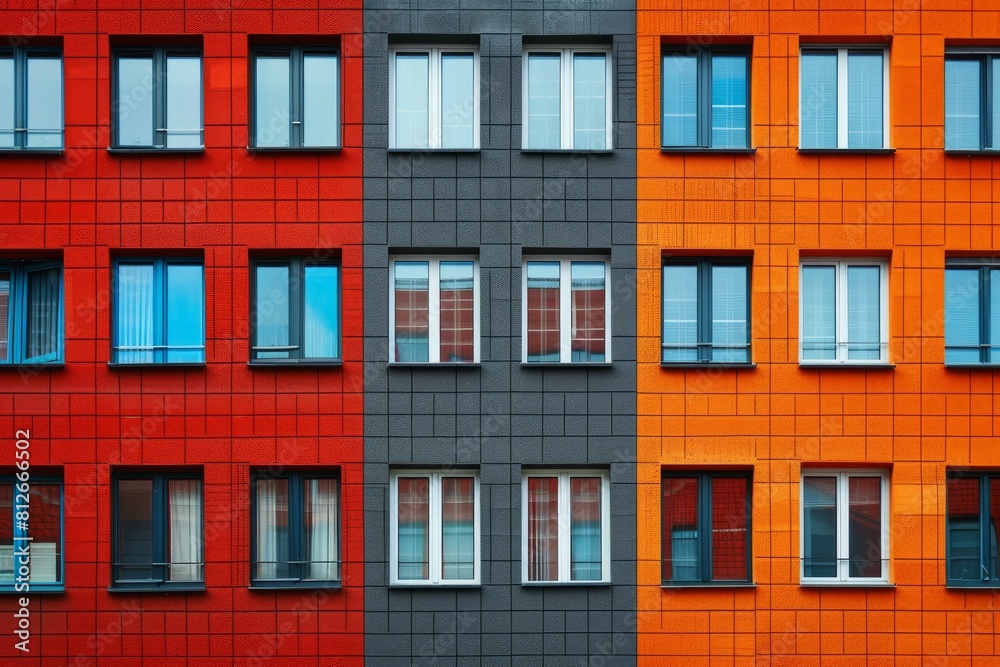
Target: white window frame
x=566 y=95
x=433 y=306
x=842 y=86
x=434 y=116
x=565 y=536
x=434 y=528
x=843 y=577
x=566 y=306
x=841 y=343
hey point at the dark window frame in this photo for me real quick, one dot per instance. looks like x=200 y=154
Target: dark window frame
x=704 y=525
x=704 y=92
x=20 y=56
x=987 y=60
x=988 y=533
x=159 y=55
x=59 y=585
x=17 y=312
x=985 y=294
x=296 y=531
x=296 y=103
x=160 y=523
x=705 y=345
x=296 y=300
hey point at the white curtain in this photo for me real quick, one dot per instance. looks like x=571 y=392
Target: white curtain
x=134 y=316
x=267 y=537
x=321 y=529
x=185 y=530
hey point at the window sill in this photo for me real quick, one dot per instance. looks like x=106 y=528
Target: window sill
x=562 y=584
x=702 y=585
x=972 y=367
x=432 y=150
x=33 y=364
x=291 y=363
x=707 y=149
x=846 y=584
x=992 y=585
x=32 y=151
x=852 y=151
x=295 y=149
x=430 y=586
x=569 y=364
x=163 y=364
x=153 y=588
x=41 y=589
x=289 y=586
x=568 y=151
x=121 y=150
x=845 y=365
x=427 y=364
x=721 y=365
x=959 y=152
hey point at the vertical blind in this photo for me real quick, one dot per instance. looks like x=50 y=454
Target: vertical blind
x=864 y=100
x=729 y=101
x=962 y=81
x=729 y=314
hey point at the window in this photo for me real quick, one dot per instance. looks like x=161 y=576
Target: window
x=845 y=527
x=434 y=524
x=567 y=99
x=565 y=518
x=434 y=98
x=158 y=99
x=296 y=525
x=844 y=312
x=31 y=98
x=434 y=310
x=845 y=98
x=159 y=311
x=31 y=312
x=706 y=98
x=296 y=311
x=973 y=519
x=157 y=531
x=565 y=312
x=971 y=100
x=706 y=519
x=971 y=313
x=706 y=308
x=31 y=521
x=296 y=98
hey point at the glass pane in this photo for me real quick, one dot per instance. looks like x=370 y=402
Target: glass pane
x=6 y=101
x=819 y=312
x=45 y=102
x=135 y=101
x=412 y=297
x=964 y=538
x=590 y=100
x=134 y=525
x=458 y=537
x=185 y=334
x=271 y=311
x=4 y=316
x=184 y=530
x=864 y=100
x=996 y=107
x=412 y=540
x=44 y=314
x=864 y=307
x=458 y=311
x=991 y=546
x=458 y=100
x=321 y=101
x=680 y=313
x=411 y=95
x=184 y=102
x=134 y=314
x=322 y=312
x=543 y=529
x=272 y=89
x=585 y=528
x=819 y=100
x=729 y=529
x=961 y=104
x=994 y=341
x=544 y=101
x=819 y=513
x=961 y=316
x=729 y=314
x=272 y=538
x=543 y=311
x=680 y=100
x=729 y=101
x=321 y=532
x=45 y=527
x=6 y=534
x=587 y=316
x=680 y=529
x=864 y=526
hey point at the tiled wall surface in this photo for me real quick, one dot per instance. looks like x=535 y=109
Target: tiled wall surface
x=912 y=207
x=498 y=204
x=87 y=419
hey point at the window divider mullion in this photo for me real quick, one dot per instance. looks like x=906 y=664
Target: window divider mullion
x=843 y=527
x=566 y=93
x=296 y=313
x=565 y=306
x=842 y=107
x=704 y=327
x=296 y=538
x=161 y=519
x=20 y=60
x=705 y=521
x=986 y=103
x=434 y=82
x=296 y=80
x=435 y=508
x=159 y=93
x=840 y=298
x=433 y=311
x=160 y=299
x=985 y=287
x=984 y=526
x=703 y=95
x=564 y=512
x=17 y=315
